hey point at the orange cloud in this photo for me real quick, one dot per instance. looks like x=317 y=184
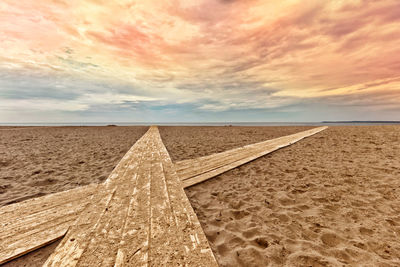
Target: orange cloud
x=281 y=49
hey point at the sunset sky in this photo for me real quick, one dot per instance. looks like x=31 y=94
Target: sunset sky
x=199 y=60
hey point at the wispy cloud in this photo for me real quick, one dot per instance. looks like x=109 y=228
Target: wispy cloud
x=213 y=56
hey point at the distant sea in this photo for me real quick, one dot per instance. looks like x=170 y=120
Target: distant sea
x=323 y=123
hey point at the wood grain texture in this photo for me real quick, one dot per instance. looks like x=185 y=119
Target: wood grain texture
x=33 y=223
x=82 y=236
x=141 y=217
x=201 y=169
x=189 y=234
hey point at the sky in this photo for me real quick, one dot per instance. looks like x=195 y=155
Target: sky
x=199 y=60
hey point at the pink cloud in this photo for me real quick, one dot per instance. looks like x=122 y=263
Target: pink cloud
x=293 y=47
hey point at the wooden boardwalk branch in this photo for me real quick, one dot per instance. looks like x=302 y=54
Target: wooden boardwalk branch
x=33 y=223
x=194 y=171
x=120 y=221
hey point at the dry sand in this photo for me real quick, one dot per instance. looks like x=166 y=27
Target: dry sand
x=329 y=200
x=332 y=199
x=41 y=160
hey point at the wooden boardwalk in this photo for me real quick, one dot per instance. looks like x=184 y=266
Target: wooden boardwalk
x=140 y=218
x=33 y=223
x=145 y=175
x=194 y=171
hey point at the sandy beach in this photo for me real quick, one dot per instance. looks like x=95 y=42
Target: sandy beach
x=37 y=161
x=329 y=200
x=332 y=199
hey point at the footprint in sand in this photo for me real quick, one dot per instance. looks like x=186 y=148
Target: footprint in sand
x=262 y=241
x=250 y=256
x=310 y=259
x=284 y=199
x=3 y=188
x=366 y=231
x=330 y=239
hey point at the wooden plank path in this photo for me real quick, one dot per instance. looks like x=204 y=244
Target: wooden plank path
x=30 y=224
x=140 y=218
x=33 y=223
x=194 y=171
x=39 y=221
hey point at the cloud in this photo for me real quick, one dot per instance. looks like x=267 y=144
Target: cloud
x=215 y=56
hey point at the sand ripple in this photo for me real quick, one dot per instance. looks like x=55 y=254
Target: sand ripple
x=330 y=200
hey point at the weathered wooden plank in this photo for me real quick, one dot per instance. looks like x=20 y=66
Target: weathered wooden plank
x=201 y=164
x=138 y=225
x=42 y=238
x=133 y=246
x=17 y=210
x=27 y=226
x=147 y=232
x=192 y=167
x=165 y=247
x=102 y=242
x=267 y=147
x=174 y=236
x=31 y=221
x=189 y=234
x=97 y=221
